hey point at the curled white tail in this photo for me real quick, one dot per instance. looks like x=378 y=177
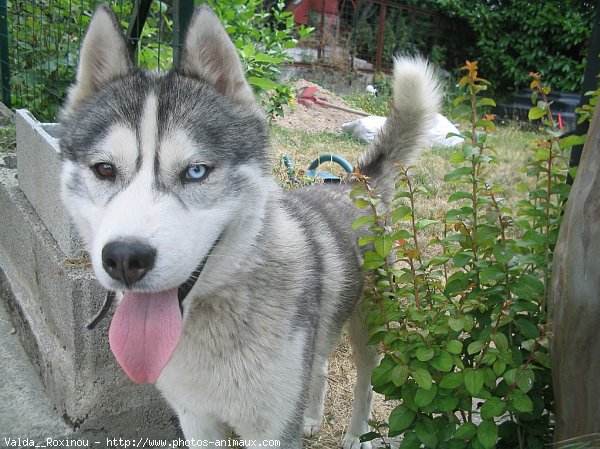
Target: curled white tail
x=417 y=99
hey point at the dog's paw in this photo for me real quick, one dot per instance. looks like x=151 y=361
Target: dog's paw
x=353 y=442
x=311 y=427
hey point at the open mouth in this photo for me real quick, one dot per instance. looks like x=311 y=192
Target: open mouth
x=182 y=292
x=146 y=327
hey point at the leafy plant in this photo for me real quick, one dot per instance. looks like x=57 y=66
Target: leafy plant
x=460 y=317
x=262 y=38
x=553 y=36
x=586 y=112
x=281 y=96
x=46 y=39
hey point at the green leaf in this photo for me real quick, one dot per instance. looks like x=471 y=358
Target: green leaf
x=262 y=57
x=492 y=273
x=369 y=436
x=399 y=375
x=520 y=401
x=493 y=407
x=487 y=124
x=528 y=286
x=422 y=224
x=447 y=403
x=473 y=381
x=248 y=50
x=463 y=258
x=524 y=378
x=452 y=380
x=372 y=260
x=361 y=221
x=425 y=397
x=458 y=173
x=536 y=113
x=460 y=99
x=571 y=141
x=487 y=434
x=383 y=372
x=503 y=254
x=542 y=154
x=475 y=347
x=422 y=378
x=402 y=234
x=424 y=354
x=486 y=102
x=457 y=157
x=486 y=234
x=457 y=282
x=383 y=245
x=263 y=83
x=400 y=213
x=527 y=328
x=460 y=196
x=500 y=341
x=499 y=367
x=456 y=323
x=362 y=203
x=510 y=376
x=357 y=191
x=454 y=346
x=365 y=240
x=425 y=431
x=410 y=441
x=400 y=420
x=443 y=362
x=466 y=431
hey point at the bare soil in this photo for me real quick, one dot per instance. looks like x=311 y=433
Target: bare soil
x=315 y=117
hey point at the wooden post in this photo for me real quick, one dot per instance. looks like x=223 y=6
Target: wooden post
x=575 y=301
x=380 y=37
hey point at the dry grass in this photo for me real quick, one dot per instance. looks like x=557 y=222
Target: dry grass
x=512 y=148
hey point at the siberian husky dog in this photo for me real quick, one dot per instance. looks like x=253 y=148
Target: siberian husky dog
x=232 y=293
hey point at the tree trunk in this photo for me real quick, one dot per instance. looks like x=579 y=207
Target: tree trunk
x=575 y=301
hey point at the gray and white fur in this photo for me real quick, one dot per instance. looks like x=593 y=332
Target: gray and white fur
x=282 y=269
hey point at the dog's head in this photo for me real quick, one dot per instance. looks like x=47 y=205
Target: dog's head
x=158 y=170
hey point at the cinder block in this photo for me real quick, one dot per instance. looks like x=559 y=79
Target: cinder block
x=51 y=298
x=39 y=166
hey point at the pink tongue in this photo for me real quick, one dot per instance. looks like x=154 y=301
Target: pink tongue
x=144 y=333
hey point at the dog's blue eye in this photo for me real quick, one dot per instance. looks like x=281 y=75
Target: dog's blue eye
x=196 y=172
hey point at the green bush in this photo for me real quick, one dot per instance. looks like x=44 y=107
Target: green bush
x=550 y=36
x=460 y=317
x=46 y=39
x=261 y=37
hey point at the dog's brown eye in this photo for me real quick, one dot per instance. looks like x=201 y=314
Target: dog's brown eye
x=104 y=170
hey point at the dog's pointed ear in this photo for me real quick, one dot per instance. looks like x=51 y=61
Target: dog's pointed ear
x=103 y=57
x=209 y=53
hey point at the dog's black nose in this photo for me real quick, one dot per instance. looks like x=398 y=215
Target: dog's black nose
x=128 y=261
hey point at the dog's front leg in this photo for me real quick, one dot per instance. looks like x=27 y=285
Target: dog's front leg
x=205 y=430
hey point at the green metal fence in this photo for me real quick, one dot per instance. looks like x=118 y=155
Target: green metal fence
x=40 y=40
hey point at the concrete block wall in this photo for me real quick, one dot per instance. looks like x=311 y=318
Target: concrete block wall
x=52 y=293
x=39 y=167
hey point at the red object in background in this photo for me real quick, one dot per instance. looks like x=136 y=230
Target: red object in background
x=560 y=122
x=302 y=8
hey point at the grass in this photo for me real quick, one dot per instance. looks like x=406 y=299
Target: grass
x=510 y=143
x=512 y=146
x=8 y=140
